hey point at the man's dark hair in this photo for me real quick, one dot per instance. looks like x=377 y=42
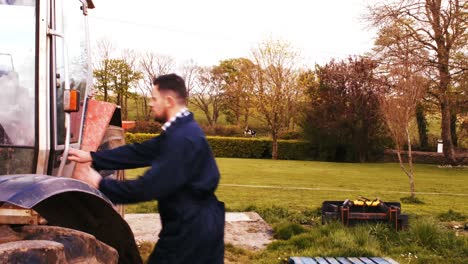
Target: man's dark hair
x=171 y=82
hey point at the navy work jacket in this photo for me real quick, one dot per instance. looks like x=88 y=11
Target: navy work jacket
x=183 y=178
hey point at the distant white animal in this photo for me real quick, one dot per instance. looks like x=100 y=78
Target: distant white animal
x=250 y=132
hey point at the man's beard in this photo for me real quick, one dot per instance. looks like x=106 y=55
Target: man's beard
x=162 y=118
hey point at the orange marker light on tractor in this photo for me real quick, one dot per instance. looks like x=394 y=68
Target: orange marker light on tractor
x=71 y=101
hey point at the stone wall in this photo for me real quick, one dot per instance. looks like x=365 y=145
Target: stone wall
x=390 y=155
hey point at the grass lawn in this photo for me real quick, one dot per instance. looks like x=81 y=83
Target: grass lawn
x=288 y=193
x=440 y=189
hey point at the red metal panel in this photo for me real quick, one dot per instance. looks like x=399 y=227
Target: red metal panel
x=98 y=116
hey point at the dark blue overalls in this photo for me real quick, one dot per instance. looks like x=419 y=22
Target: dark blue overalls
x=183 y=178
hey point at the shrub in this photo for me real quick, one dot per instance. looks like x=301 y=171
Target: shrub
x=294 y=150
x=451 y=215
x=426 y=233
x=291 y=135
x=272 y=214
x=286 y=230
x=411 y=200
x=131 y=138
x=277 y=214
x=145 y=127
x=230 y=147
x=222 y=130
x=240 y=147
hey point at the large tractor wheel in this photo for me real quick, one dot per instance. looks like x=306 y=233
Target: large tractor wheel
x=50 y=244
x=65 y=203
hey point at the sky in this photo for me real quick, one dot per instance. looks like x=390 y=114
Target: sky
x=208 y=31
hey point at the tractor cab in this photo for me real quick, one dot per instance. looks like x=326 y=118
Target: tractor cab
x=44 y=59
x=45 y=75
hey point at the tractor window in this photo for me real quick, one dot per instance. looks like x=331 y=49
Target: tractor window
x=17 y=85
x=73 y=26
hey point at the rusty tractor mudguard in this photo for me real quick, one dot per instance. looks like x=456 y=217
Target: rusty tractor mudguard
x=71 y=204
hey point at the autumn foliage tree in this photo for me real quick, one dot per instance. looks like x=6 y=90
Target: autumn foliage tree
x=152 y=65
x=439 y=27
x=342 y=117
x=398 y=106
x=236 y=75
x=101 y=58
x=119 y=79
x=275 y=85
x=207 y=95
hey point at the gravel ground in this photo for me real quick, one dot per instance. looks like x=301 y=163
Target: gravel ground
x=246 y=230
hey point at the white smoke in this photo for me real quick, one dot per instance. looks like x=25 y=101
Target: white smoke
x=17 y=73
x=18 y=2
x=16 y=111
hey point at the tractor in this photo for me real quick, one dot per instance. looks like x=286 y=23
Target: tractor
x=46 y=109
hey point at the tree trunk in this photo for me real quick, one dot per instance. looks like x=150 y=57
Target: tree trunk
x=412 y=188
x=105 y=93
x=363 y=144
x=137 y=110
x=215 y=114
x=410 y=173
x=118 y=102
x=453 y=127
x=448 y=147
x=422 y=127
x=238 y=111
x=246 y=117
x=105 y=81
x=274 y=149
x=206 y=111
x=402 y=166
x=126 y=108
x=145 y=109
x=443 y=57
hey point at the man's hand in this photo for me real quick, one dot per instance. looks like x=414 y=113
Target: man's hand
x=85 y=173
x=79 y=155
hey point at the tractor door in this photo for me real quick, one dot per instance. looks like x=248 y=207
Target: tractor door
x=18 y=105
x=72 y=71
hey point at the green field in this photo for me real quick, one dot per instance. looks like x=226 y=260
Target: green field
x=287 y=194
x=284 y=184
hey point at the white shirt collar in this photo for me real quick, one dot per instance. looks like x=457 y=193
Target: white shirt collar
x=183 y=112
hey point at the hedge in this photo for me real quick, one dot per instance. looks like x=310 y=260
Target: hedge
x=237 y=147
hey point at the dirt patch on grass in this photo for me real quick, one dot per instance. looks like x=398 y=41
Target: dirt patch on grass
x=246 y=230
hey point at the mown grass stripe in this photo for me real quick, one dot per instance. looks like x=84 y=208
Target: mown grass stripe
x=331 y=189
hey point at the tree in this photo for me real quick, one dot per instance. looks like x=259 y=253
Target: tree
x=208 y=95
x=189 y=73
x=394 y=48
x=123 y=78
x=460 y=100
x=120 y=77
x=153 y=65
x=342 y=118
x=422 y=127
x=237 y=87
x=131 y=59
x=398 y=107
x=101 y=59
x=439 y=26
x=275 y=89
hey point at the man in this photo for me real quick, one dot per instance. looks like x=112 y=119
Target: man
x=183 y=178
